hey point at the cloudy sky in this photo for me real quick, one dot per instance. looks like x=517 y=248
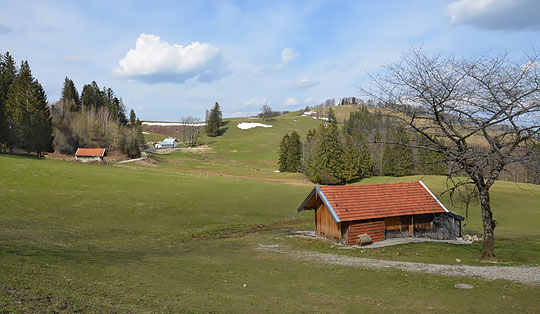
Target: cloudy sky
x=169 y=59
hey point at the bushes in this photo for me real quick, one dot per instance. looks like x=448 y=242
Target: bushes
x=93 y=128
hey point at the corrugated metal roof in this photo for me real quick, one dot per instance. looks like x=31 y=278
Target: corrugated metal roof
x=90 y=152
x=169 y=140
x=358 y=202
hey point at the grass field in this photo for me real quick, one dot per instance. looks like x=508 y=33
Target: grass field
x=181 y=235
x=144 y=239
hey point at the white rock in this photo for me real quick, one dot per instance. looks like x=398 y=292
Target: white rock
x=458 y=260
x=463 y=286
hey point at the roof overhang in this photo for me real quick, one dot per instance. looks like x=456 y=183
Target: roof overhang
x=449 y=212
x=312 y=200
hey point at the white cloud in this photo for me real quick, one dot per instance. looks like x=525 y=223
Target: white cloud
x=291 y=101
x=495 y=14
x=307 y=83
x=289 y=54
x=308 y=100
x=154 y=61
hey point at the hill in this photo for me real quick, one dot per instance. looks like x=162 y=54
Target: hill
x=94 y=238
x=183 y=235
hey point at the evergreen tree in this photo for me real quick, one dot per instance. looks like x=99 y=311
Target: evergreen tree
x=121 y=111
x=331 y=116
x=284 y=154
x=70 y=95
x=92 y=96
x=397 y=156
x=215 y=121
x=132 y=118
x=8 y=72
x=430 y=161
x=365 y=161
x=294 y=153
x=28 y=113
x=350 y=160
x=328 y=156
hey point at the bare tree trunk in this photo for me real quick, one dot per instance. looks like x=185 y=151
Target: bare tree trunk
x=489 y=224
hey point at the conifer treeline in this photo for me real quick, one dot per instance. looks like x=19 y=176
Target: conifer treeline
x=330 y=155
x=96 y=118
x=25 y=120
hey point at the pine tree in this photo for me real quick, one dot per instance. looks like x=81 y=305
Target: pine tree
x=28 y=113
x=70 y=95
x=8 y=72
x=294 y=153
x=366 y=162
x=92 y=96
x=284 y=154
x=328 y=155
x=397 y=155
x=331 y=116
x=215 y=121
x=132 y=117
x=351 y=160
x=430 y=161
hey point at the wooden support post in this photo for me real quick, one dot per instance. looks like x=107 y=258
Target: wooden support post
x=411 y=227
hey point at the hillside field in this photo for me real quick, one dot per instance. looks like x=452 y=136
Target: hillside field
x=182 y=235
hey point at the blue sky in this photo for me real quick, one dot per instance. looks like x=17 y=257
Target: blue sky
x=171 y=59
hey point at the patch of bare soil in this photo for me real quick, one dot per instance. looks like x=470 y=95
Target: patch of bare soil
x=521 y=274
x=172 y=131
x=197 y=149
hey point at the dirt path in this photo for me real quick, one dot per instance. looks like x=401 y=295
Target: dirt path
x=522 y=274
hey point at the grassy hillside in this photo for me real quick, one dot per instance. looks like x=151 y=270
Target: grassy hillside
x=93 y=238
x=181 y=235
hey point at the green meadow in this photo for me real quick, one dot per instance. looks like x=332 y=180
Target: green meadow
x=182 y=235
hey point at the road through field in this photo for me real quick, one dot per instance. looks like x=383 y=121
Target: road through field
x=521 y=274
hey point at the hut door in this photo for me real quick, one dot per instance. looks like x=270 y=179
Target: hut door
x=407 y=226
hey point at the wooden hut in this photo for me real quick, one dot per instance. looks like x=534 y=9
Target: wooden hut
x=383 y=211
x=90 y=154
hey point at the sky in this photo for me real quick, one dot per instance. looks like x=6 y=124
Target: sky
x=173 y=59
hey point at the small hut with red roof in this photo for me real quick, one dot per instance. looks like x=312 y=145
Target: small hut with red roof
x=90 y=154
x=382 y=211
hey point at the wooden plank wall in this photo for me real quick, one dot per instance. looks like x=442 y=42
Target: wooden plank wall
x=374 y=227
x=326 y=226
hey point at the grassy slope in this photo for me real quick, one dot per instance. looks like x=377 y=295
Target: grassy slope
x=132 y=238
x=251 y=152
x=97 y=238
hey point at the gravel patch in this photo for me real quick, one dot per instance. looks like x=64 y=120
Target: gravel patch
x=521 y=274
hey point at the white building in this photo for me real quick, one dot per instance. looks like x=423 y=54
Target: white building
x=170 y=142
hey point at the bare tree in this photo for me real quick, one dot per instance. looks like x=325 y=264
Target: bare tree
x=267 y=112
x=191 y=130
x=466 y=193
x=460 y=106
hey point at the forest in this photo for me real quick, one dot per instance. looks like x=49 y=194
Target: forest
x=30 y=124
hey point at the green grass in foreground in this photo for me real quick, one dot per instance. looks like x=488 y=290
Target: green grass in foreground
x=96 y=238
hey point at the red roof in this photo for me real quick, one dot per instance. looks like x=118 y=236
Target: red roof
x=358 y=202
x=90 y=152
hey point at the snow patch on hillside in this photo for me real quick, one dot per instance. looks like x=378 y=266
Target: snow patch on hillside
x=249 y=125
